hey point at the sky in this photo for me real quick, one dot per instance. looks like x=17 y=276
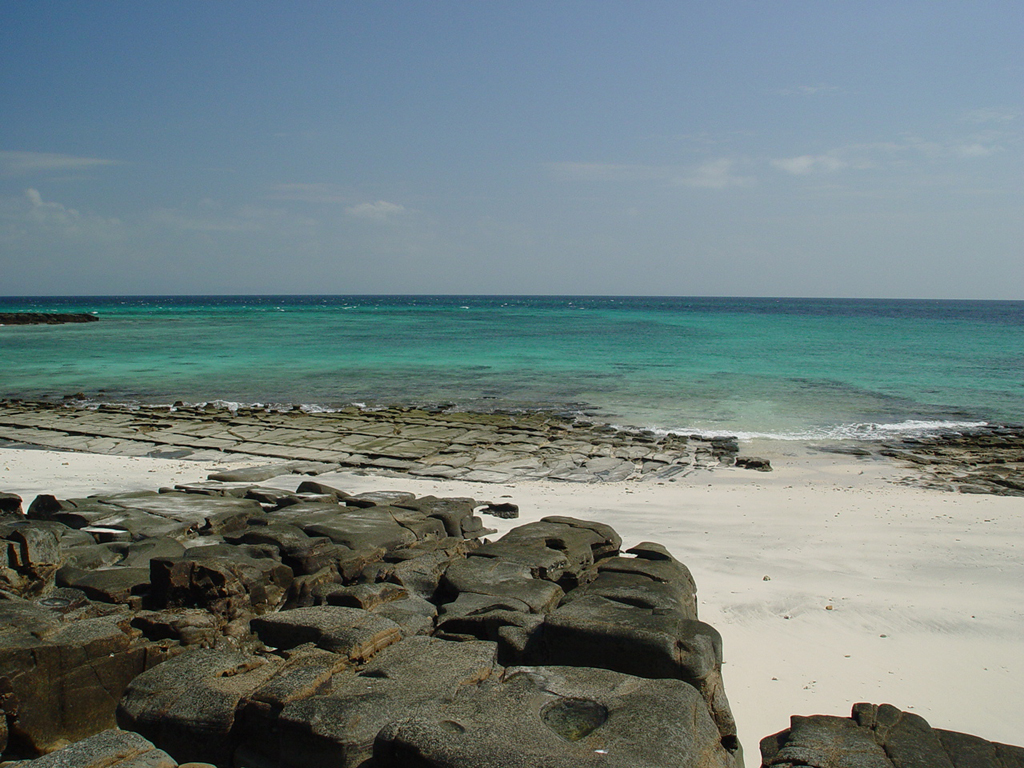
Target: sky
x=827 y=149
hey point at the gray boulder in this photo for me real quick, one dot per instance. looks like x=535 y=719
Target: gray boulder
x=420 y=674
x=597 y=632
x=187 y=706
x=10 y=505
x=881 y=736
x=419 y=567
x=452 y=512
x=412 y=614
x=227 y=585
x=110 y=749
x=145 y=514
x=352 y=632
x=302 y=553
x=560 y=716
x=356 y=528
x=651 y=579
x=499 y=578
x=64 y=663
x=29 y=556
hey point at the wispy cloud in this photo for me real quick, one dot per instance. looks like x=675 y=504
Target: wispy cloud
x=804 y=90
x=381 y=210
x=26 y=163
x=805 y=165
x=715 y=174
x=50 y=212
x=29 y=215
x=905 y=150
x=981 y=116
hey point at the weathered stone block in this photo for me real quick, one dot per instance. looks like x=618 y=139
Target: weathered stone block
x=187 y=705
x=560 y=717
x=227 y=586
x=498 y=578
x=64 y=673
x=352 y=632
x=110 y=749
x=420 y=674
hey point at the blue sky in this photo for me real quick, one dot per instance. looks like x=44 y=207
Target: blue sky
x=868 y=149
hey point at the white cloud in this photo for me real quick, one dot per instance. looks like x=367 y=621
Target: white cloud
x=976 y=150
x=716 y=174
x=808 y=164
x=24 y=163
x=50 y=213
x=378 y=211
x=29 y=216
x=980 y=116
x=903 y=152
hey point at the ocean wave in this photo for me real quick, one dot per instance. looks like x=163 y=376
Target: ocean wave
x=868 y=431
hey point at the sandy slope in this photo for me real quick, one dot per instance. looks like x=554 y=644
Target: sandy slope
x=926 y=588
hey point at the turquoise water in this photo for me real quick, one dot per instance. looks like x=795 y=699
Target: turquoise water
x=784 y=367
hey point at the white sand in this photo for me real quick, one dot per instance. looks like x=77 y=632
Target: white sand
x=926 y=587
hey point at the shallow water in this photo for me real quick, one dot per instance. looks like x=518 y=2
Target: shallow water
x=799 y=368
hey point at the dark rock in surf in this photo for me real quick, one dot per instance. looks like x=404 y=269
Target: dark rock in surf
x=45 y=318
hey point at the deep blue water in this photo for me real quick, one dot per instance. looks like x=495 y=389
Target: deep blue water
x=794 y=367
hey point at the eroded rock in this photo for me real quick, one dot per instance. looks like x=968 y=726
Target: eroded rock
x=881 y=736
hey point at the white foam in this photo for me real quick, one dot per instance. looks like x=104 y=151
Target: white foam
x=855 y=431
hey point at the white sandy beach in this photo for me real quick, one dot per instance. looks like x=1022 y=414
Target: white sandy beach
x=874 y=592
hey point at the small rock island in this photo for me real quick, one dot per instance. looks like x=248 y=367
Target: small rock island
x=45 y=318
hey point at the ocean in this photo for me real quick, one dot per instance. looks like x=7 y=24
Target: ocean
x=783 y=368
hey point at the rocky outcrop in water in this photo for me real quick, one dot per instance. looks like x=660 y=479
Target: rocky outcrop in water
x=232 y=624
x=45 y=318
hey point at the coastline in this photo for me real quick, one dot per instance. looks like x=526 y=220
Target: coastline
x=878 y=589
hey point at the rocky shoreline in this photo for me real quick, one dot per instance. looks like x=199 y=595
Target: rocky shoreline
x=475 y=447
x=987 y=460
x=478 y=447
x=230 y=624
x=45 y=318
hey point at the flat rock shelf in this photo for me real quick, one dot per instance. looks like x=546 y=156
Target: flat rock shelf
x=476 y=447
